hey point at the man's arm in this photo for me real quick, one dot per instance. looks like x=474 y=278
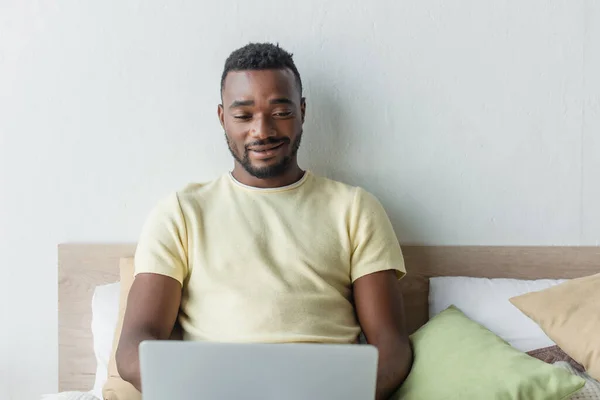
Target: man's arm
x=380 y=310
x=152 y=308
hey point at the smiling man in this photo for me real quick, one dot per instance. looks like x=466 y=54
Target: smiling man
x=269 y=252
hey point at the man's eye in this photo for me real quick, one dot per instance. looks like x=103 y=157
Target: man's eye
x=283 y=114
x=242 y=117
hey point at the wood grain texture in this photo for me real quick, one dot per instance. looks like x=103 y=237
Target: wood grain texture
x=84 y=266
x=423 y=262
x=81 y=267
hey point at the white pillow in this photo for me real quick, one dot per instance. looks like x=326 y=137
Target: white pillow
x=486 y=302
x=105 y=313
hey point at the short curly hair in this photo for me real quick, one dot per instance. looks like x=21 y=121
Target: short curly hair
x=260 y=56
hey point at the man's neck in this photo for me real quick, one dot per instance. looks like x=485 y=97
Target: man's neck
x=291 y=176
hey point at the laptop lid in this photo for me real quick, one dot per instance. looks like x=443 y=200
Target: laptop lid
x=186 y=370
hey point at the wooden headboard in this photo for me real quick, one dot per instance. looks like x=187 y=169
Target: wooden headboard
x=81 y=267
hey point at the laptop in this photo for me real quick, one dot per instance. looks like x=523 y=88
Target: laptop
x=186 y=370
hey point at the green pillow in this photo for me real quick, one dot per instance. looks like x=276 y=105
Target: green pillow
x=456 y=358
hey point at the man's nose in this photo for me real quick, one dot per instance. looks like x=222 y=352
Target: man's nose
x=262 y=128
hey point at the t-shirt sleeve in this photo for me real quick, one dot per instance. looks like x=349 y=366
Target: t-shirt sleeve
x=162 y=246
x=375 y=246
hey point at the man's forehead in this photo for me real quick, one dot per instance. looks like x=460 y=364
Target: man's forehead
x=260 y=82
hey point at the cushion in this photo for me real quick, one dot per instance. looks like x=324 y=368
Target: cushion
x=553 y=354
x=116 y=388
x=457 y=358
x=591 y=389
x=476 y=297
x=569 y=313
x=105 y=312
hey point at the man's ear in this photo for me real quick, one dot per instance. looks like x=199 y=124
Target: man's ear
x=303 y=107
x=221 y=114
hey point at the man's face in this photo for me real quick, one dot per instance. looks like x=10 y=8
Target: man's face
x=262 y=115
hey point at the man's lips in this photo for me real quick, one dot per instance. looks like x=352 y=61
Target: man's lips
x=265 y=147
x=267 y=151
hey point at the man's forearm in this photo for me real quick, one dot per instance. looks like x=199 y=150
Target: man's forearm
x=395 y=361
x=128 y=359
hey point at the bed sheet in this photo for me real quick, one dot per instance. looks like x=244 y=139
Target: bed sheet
x=70 y=396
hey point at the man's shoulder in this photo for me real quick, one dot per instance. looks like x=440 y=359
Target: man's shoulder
x=356 y=198
x=329 y=185
x=194 y=191
x=191 y=194
x=342 y=189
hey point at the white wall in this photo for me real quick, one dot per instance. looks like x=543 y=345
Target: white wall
x=474 y=122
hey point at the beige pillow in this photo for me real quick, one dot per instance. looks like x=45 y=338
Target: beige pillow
x=116 y=388
x=569 y=314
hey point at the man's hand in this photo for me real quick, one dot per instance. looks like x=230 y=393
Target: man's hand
x=152 y=308
x=380 y=310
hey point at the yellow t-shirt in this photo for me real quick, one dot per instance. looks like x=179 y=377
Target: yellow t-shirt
x=268 y=265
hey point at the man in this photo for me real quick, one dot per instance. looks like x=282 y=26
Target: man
x=268 y=252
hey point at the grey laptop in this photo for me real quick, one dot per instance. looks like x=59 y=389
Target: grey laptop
x=218 y=371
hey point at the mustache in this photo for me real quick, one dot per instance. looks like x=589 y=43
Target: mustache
x=267 y=141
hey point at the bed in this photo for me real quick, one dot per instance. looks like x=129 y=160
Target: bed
x=82 y=267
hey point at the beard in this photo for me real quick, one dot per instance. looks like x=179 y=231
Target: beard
x=270 y=171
